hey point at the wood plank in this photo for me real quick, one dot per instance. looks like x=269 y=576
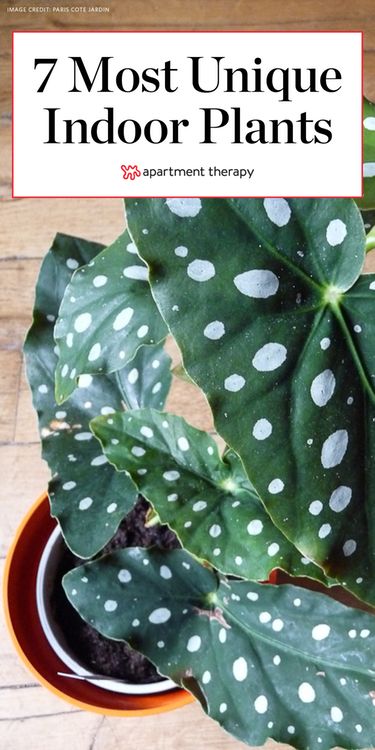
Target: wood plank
x=26 y=477
x=12 y=331
x=57 y=730
x=101 y=220
x=10 y=370
x=187 y=401
x=17 y=288
x=369 y=75
x=212 y=13
x=5 y=161
x=369 y=266
x=15 y=702
x=88 y=731
x=188 y=729
x=26 y=427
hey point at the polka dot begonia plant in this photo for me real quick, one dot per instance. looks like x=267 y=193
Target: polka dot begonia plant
x=264 y=661
x=274 y=315
x=281 y=340
x=88 y=497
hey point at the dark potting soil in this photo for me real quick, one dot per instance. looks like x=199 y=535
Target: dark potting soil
x=103 y=655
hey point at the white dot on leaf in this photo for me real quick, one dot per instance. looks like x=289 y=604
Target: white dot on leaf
x=273 y=549
x=171 y=476
x=215 y=530
x=262 y=429
x=320 y=632
x=255 y=527
x=258 y=283
x=214 y=330
x=323 y=388
x=94 y=352
x=369 y=169
x=276 y=486
x=349 y=547
x=165 y=572
x=277 y=210
x=181 y=251
x=336 y=232
x=201 y=270
x=340 y=498
x=82 y=322
x=334 y=449
x=100 y=280
x=136 y=273
x=123 y=318
x=160 y=615
x=234 y=383
x=369 y=123
x=261 y=704
x=85 y=503
x=269 y=357
x=184 y=207
x=240 y=669
x=336 y=714
x=324 y=530
x=306 y=693
x=133 y=376
x=194 y=643
x=183 y=444
x=124 y=576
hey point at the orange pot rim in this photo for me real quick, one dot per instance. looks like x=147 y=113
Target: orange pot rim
x=143 y=705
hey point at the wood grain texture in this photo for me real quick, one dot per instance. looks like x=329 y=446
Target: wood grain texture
x=31 y=717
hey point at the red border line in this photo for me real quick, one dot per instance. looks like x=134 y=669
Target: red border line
x=189 y=31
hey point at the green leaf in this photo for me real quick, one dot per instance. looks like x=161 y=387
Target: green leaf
x=107 y=313
x=88 y=497
x=368 y=200
x=368 y=218
x=264 y=661
x=209 y=503
x=287 y=375
x=146 y=380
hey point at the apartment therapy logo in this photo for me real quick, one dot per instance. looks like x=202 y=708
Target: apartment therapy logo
x=245 y=96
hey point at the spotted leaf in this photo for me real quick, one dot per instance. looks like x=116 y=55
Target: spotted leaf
x=107 y=313
x=146 y=380
x=368 y=200
x=207 y=501
x=284 y=354
x=88 y=497
x=264 y=661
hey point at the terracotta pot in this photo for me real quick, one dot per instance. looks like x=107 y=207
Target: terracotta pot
x=35 y=650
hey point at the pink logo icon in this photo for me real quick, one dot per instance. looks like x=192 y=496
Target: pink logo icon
x=130 y=172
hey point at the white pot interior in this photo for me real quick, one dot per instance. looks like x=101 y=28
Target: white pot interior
x=46 y=579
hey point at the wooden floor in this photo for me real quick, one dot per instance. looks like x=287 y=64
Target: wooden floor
x=30 y=717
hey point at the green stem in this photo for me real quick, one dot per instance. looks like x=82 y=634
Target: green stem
x=370 y=241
